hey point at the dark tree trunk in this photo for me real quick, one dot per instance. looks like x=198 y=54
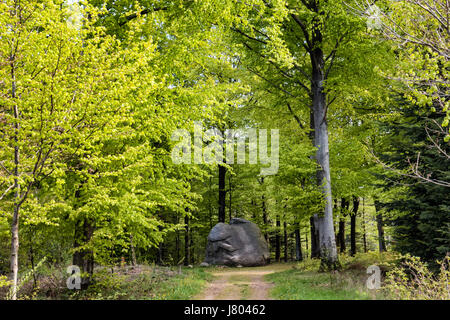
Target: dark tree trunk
x=210 y=207
x=341 y=233
x=352 y=235
x=187 y=253
x=177 y=246
x=222 y=192
x=160 y=257
x=335 y=209
x=285 y=241
x=298 y=243
x=252 y=204
x=133 y=251
x=306 y=243
x=230 y=195
x=364 y=227
x=265 y=221
x=381 y=240
x=32 y=263
x=353 y=226
x=84 y=258
x=278 y=240
x=315 y=249
x=191 y=246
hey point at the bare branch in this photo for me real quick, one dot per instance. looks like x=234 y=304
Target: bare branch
x=442 y=151
x=7 y=190
x=416 y=174
x=4 y=168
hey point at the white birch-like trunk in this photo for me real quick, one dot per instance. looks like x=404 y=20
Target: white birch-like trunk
x=14 y=259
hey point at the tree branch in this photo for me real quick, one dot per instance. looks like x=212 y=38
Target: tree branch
x=247 y=36
x=4 y=168
x=295 y=116
x=7 y=190
x=141 y=13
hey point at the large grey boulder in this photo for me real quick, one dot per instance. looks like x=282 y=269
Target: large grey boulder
x=239 y=243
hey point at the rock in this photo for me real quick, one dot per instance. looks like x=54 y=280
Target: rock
x=204 y=264
x=239 y=243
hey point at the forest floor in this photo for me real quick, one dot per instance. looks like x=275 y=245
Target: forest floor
x=277 y=281
x=241 y=283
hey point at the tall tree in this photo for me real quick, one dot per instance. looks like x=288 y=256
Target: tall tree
x=277 y=238
x=187 y=241
x=298 y=48
x=298 y=243
x=222 y=192
x=353 y=225
x=380 y=227
x=341 y=231
x=55 y=75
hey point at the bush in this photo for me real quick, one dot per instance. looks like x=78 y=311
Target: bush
x=308 y=265
x=361 y=261
x=413 y=280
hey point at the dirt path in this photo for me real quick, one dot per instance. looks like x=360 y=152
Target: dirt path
x=240 y=283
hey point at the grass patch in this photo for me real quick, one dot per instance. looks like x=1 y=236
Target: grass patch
x=304 y=282
x=245 y=291
x=242 y=282
x=308 y=285
x=182 y=287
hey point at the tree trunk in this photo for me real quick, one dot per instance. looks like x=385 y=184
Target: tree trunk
x=277 y=240
x=14 y=259
x=15 y=250
x=253 y=204
x=264 y=213
x=306 y=243
x=210 y=207
x=222 y=192
x=381 y=240
x=84 y=258
x=191 y=245
x=364 y=227
x=160 y=257
x=353 y=226
x=313 y=221
x=335 y=209
x=298 y=243
x=229 y=196
x=285 y=241
x=133 y=252
x=341 y=233
x=187 y=256
x=327 y=241
x=177 y=246
x=315 y=249
x=33 y=266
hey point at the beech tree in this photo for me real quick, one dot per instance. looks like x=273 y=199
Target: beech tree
x=305 y=52
x=87 y=120
x=54 y=97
